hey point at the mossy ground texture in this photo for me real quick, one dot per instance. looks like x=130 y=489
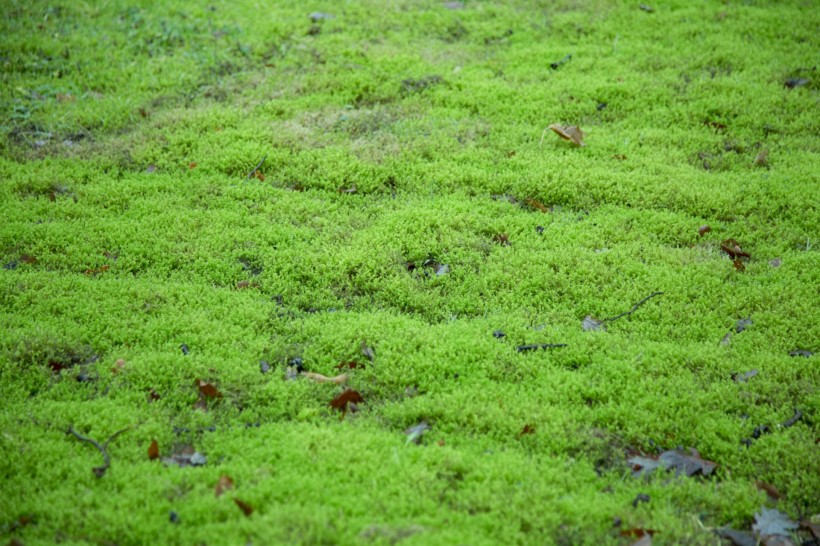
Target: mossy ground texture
x=400 y=137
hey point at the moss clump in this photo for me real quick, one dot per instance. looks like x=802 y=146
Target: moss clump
x=410 y=228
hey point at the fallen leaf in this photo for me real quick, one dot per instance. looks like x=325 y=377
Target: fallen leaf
x=727 y=339
x=733 y=249
x=28 y=259
x=762 y=159
x=368 y=351
x=502 y=239
x=350 y=190
x=225 y=483
x=742 y=324
x=244 y=506
x=688 y=463
x=153 y=450
x=571 y=133
x=738 y=265
x=738 y=538
x=776 y=262
x=264 y=367
x=770 y=490
x=207 y=389
x=352 y=365
x=772 y=522
x=791 y=83
x=641 y=497
x=441 y=269
x=185 y=456
x=536 y=205
x=319 y=378
x=528 y=429
x=637 y=532
x=347 y=397
x=743 y=377
x=415 y=433
x=192 y=165
x=201 y=404
x=619 y=157
x=593 y=325
x=703 y=230
x=242 y=285
x=153 y=396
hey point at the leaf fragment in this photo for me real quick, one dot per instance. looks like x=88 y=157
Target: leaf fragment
x=528 y=429
x=570 y=133
x=742 y=324
x=207 y=390
x=688 y=463
x=345 y=399
x=319 y=378
x=772 y=522
x=733 y=249
x=703 y=230
x=738 y=538
x=591 y=324
x=367 y=351
x=225 y=483
x=153 y=451
x=185 y=456
x=770 y=490
x=744 y=377
x=415 y=433
x=246 y=508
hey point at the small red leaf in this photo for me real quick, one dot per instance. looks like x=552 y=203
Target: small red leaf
x=192 y=165
x=153 y=451
x=738 y=265
x=28 y=259
x=704 y=230
x=347 y=397
x=536 y=205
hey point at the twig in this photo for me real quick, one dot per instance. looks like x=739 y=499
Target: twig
x=634 y=308
x=258 y=166
x=99 y=471
x=535 y=347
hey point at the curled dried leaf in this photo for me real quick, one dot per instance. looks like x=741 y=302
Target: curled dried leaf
x=571 y=133
x=703 y=230
x=319 y=378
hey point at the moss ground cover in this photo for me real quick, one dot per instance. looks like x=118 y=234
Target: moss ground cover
x=410 y=205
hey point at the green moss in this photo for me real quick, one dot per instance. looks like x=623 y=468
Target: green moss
x=398 y=138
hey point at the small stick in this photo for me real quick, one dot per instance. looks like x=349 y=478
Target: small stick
x=99 y=471
x=634 y=307
x=258 y=166
x=522 y=348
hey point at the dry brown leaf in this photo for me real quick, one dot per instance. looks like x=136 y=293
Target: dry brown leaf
x=571 y=133
x=244 y=506
x=225 y=483
x=153 y=451
x=207 y=389
x=319 y=378
x=703 y=230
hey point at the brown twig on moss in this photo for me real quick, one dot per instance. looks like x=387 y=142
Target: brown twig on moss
x=99 y=471
x=258 y=166
x=634 y=307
